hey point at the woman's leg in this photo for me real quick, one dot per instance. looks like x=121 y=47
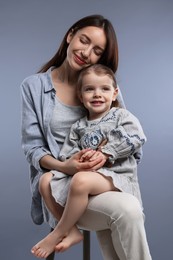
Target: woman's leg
x=107 y=248
x=82 y=185
x=122 y=215
x=75 y=236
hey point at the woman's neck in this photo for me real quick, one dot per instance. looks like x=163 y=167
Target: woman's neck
x=64 y=81
x=67 y=75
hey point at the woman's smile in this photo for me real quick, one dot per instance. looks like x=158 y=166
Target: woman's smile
x=79 y=60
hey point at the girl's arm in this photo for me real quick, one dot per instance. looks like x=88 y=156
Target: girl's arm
x=138 y=155
x=126 y=139
x=76 y=158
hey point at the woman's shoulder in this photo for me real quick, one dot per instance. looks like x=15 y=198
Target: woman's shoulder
x=37 y=82
x=33 y=79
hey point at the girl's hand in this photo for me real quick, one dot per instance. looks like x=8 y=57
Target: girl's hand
x=98 y=154
x=74 y=165
x=87 y=155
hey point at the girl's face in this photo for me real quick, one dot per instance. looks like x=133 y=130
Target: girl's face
x=86 y=47
x=97 y=94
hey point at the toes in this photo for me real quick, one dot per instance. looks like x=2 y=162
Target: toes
x=34 y=249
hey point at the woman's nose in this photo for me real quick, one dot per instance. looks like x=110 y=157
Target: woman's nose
x=86 y=52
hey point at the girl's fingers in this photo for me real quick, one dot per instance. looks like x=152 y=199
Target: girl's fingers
x=93 y=165
x=87 y=155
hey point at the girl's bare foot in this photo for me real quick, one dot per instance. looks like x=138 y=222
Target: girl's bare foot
x=74 y=237
x=46 y=246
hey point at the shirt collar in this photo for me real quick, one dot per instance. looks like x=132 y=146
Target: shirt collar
x=49 y=86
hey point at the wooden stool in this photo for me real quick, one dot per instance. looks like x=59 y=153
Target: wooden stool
x=86 y=247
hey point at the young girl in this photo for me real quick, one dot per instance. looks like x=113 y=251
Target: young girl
x=123 y=136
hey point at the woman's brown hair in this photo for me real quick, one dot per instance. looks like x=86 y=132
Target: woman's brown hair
x=110 y=54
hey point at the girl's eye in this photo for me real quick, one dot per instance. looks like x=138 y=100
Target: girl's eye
x=89 y=89
x=106 y=89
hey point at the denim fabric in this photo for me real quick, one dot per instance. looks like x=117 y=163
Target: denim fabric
x=38 y=98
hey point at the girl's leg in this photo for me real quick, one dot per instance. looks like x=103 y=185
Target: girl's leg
x=75 y=236
x=83 y=184
x=45 y=191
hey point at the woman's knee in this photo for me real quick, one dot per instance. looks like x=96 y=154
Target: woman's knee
x=133 y=212
x=117 y=205
x=44 y=182
x=130 y=209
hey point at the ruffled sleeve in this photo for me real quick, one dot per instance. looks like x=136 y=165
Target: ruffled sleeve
x=126 y=138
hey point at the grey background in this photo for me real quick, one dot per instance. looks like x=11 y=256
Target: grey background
x=30 y=32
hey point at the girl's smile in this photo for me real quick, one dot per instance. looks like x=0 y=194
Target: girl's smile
x=97 y=94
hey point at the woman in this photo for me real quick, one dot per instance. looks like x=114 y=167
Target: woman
x=50 y=106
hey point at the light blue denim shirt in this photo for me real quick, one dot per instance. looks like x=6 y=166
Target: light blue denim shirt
x=38 y=101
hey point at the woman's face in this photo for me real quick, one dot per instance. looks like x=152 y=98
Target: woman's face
x=86 y=47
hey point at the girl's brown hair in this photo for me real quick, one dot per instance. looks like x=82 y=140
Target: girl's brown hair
x=110 y=55
x=100 y=70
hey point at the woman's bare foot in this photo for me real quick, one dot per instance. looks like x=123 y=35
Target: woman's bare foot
x=74 y=237
x=46 y=246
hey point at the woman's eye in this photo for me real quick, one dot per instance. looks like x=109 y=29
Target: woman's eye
x=98 y=52
x=83 y=40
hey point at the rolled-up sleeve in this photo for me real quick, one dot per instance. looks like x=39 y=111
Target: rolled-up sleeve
x=34 y=144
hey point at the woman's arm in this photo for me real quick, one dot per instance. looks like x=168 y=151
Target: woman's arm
x=33 y=142
x=73 y=164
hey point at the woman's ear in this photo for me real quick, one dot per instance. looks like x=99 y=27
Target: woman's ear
x=70 y=36
x=115 y=94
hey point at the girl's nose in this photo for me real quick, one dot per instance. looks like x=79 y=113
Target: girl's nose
x=97 y=93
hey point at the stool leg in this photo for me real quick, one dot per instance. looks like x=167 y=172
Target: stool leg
x=51 y=256
x=86 y=245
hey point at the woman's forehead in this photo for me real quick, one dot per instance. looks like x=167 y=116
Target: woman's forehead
x=94 y=34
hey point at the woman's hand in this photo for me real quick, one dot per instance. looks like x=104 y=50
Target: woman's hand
x=74 y=164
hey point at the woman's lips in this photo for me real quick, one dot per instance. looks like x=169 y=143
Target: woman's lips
x=78 y=60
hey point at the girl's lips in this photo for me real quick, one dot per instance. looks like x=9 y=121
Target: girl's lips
x=97 y=103
x=78 y=60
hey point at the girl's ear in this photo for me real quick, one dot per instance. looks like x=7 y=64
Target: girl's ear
x=115 y=94
x=80 y=96
x=70 y=36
